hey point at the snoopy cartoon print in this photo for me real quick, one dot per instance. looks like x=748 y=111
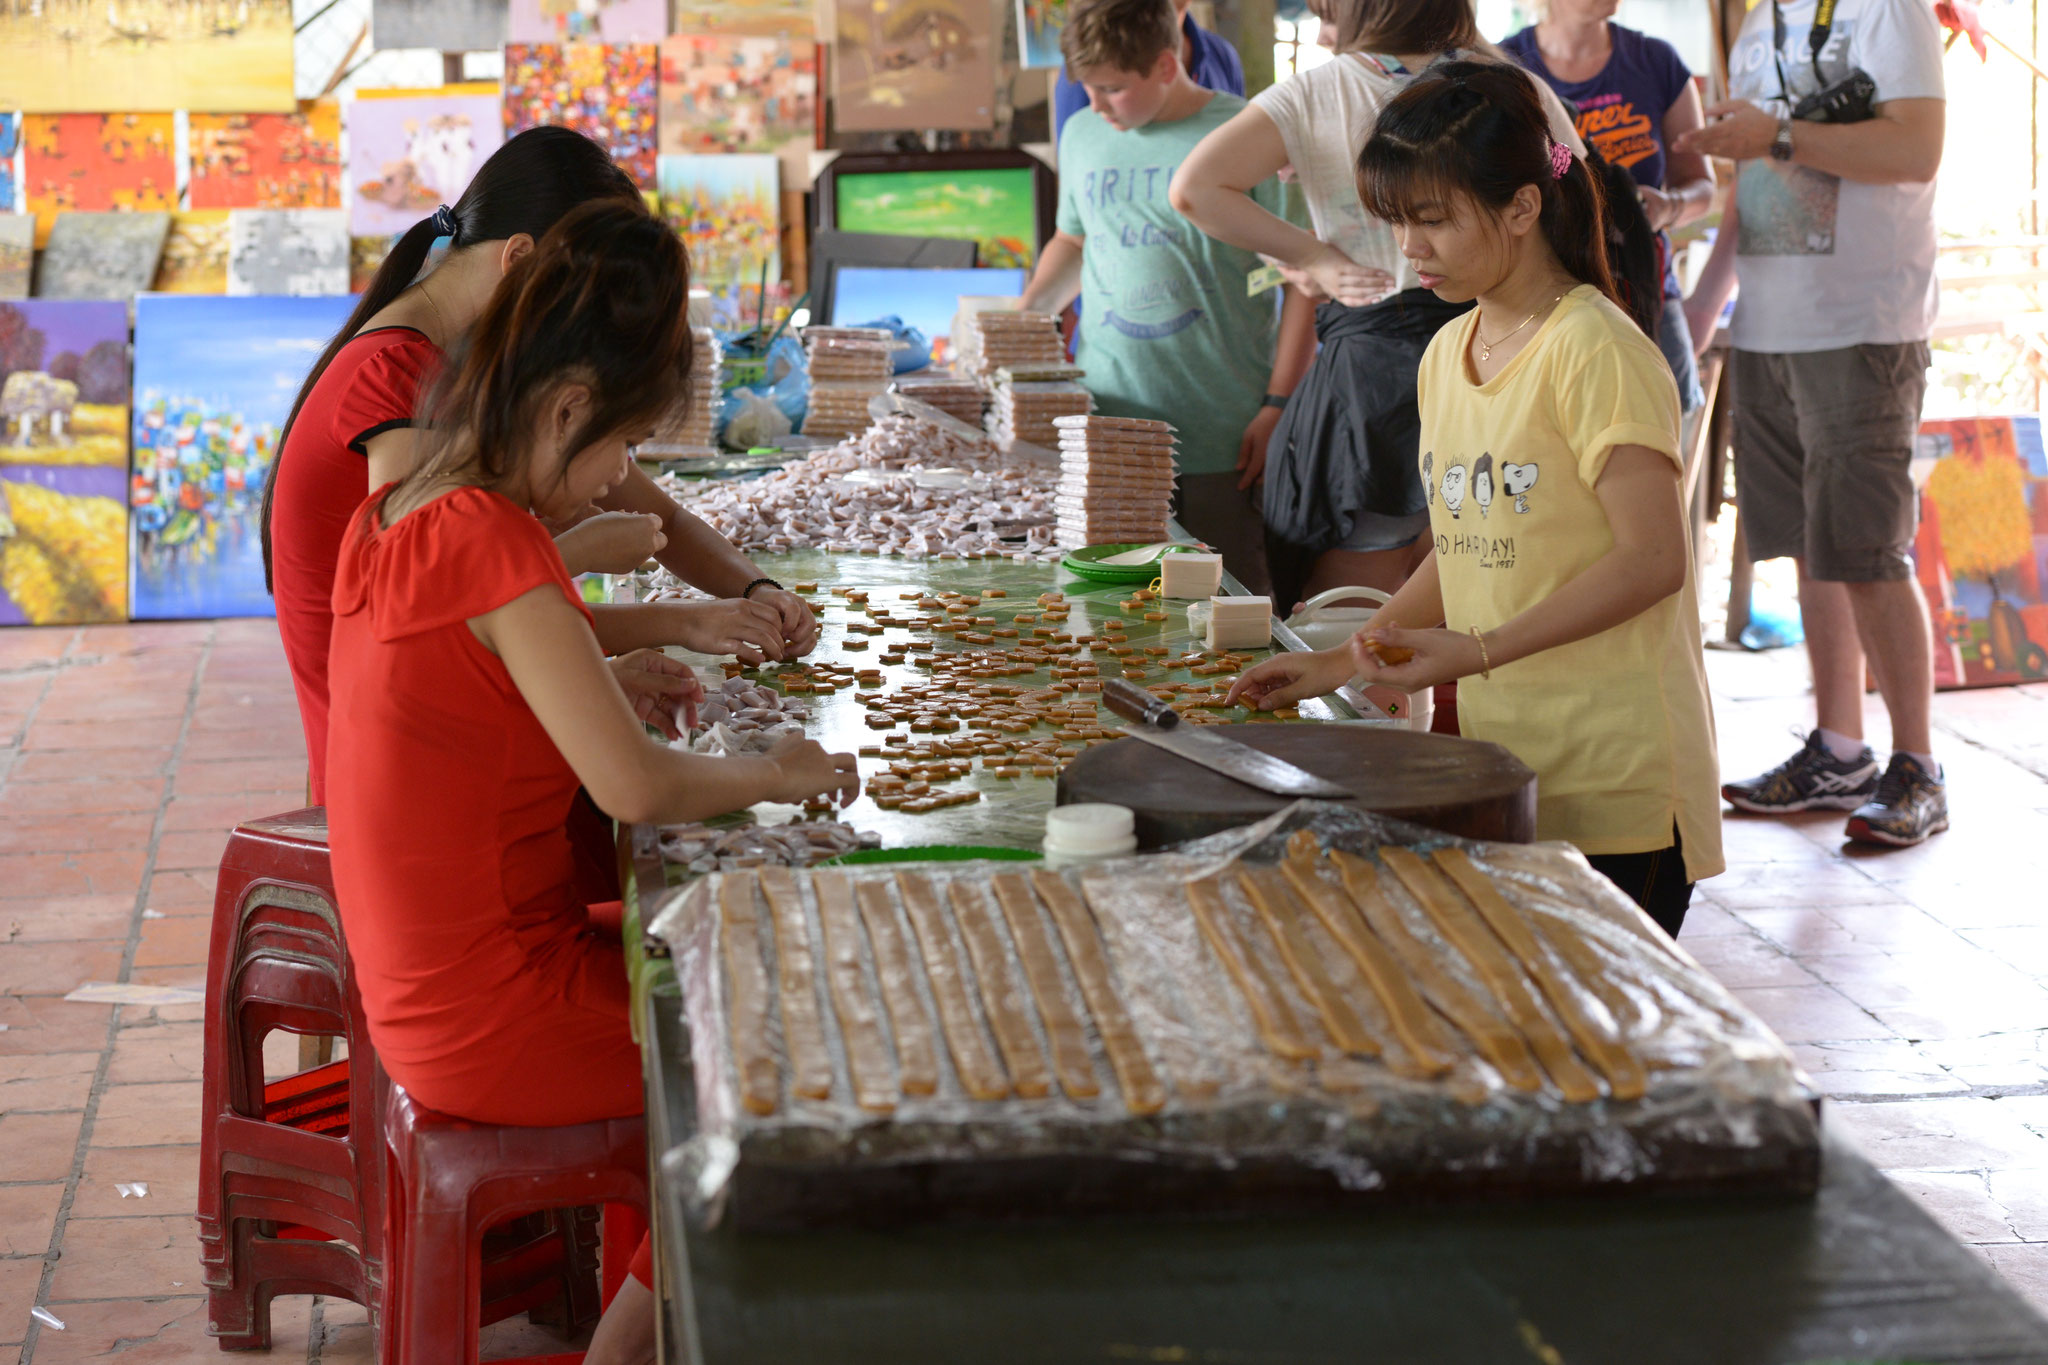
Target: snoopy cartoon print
x=1516 y=480
x=1482 y=483
x=1428 y=485
x=1454 y=490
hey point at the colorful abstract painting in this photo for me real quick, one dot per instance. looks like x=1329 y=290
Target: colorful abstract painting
x=10 y=142
x=899 y=65
x=195 y=259
x=267 y=161
x=721 y=94
x=1039 y=23
x=588 y=21
x=63 y=462
x=997 y=208
x=75 y=56
x=17 y=254
x=96 y=162
x=214 y=381
x=729 y=212
x=412 y=151
x=1982 y=548
x=606 y=91
x=102 y=255
x=287 y=251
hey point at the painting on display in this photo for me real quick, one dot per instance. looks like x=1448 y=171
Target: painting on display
x=101 y=255
x=267 y=161
x=606 y=91
x=912 y=64
x=17 y=254
x=195 y=259
x=411 y=151
x=1039 y=23
x=93 y=163
x=214 y=382
x=737 y=94
x=588 y=21
x=997 y=208
x=794 y=19
x=1982 y=548
x=729 y=212
x=63 y=462
x=443 y=25
x=287 y=251
x=73 y=56
x=10 y=142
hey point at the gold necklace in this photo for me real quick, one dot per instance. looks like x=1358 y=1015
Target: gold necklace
x=448 y=337
x=1486 y=347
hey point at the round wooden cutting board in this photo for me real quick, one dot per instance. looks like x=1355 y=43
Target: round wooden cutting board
x=1459 y=786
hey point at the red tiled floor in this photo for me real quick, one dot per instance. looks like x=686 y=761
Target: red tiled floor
x=1912 y=986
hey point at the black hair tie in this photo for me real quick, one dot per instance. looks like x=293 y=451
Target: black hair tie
x=445 y=224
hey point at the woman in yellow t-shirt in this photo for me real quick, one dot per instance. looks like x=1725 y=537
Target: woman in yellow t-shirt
x=1561 y=588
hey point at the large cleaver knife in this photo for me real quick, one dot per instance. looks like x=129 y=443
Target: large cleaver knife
x=1153 y=721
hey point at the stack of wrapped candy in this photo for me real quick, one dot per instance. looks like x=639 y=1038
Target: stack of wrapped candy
x=849 y=366
x=1116 y=480
x=1027 y=403
x=690 y=427
x=995 y=340
x=952 y=394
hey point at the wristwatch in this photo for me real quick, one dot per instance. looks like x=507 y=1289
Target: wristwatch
x=1781 y=145
x=1273 y=400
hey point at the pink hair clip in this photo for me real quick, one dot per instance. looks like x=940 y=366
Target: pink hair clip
x=1560 y=160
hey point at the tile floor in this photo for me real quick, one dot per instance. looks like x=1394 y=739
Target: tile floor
x=1913 y=985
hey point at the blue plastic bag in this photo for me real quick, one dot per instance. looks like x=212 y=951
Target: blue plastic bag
x=786 y=380
x=916 y=353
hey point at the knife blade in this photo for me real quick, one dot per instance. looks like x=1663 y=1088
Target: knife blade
x=1156 y=723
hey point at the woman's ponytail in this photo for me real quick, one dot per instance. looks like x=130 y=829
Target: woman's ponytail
x=528 y=185
x=1574 y=222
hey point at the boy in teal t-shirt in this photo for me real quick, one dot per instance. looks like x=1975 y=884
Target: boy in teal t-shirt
x=1169 y=328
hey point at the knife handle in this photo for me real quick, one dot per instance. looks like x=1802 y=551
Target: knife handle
x=1134 y=703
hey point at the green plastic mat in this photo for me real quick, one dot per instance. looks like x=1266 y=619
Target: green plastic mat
x=1087 y=563
x=935 y=853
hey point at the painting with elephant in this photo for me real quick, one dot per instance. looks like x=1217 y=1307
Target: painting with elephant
x=63 y=462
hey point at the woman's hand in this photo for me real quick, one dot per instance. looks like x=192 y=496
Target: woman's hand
x=1660 y=208
x=799 y=622
x=808 y=772
x=749 y=631
x=1288 y=678
x=1432 y=657
x=1251 y=447
x=664 y=692
x=1337 y=276
x=610 y=542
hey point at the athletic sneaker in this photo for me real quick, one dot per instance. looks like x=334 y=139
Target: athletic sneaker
x=1812 y=779
x=1911 y=803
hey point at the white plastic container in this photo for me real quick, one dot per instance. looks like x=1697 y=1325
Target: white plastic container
x=1088 y=832
x=1322 y=625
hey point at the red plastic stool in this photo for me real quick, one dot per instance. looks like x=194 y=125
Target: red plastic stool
x=291 y=1172
x=449 y=1179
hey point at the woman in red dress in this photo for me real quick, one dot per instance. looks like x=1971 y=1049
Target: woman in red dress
x=352 y=429
x=473 y=699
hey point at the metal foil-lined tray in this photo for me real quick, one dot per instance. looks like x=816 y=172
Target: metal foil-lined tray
x=1323 y=1008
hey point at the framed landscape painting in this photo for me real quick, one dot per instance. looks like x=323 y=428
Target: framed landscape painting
x=63 y=462
x=214 y=382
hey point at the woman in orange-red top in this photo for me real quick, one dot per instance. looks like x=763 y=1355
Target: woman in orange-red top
x=470 y=698
x=351 y=430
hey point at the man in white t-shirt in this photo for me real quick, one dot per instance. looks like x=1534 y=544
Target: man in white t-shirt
x=1833 y=246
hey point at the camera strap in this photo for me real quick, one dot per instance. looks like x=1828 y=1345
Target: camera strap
x=1816 y=39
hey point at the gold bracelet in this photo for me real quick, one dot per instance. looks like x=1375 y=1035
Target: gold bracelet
x=1485 y=664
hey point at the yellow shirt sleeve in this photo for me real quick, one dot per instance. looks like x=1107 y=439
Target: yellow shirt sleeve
x=1623 y=395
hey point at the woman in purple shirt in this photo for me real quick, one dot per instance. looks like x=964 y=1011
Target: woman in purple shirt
x=1634 y=97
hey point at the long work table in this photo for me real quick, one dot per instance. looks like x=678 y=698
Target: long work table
x=1857 y=1274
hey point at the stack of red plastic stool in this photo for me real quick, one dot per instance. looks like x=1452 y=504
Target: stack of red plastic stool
x=291 y=1172
x=450 y=1179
